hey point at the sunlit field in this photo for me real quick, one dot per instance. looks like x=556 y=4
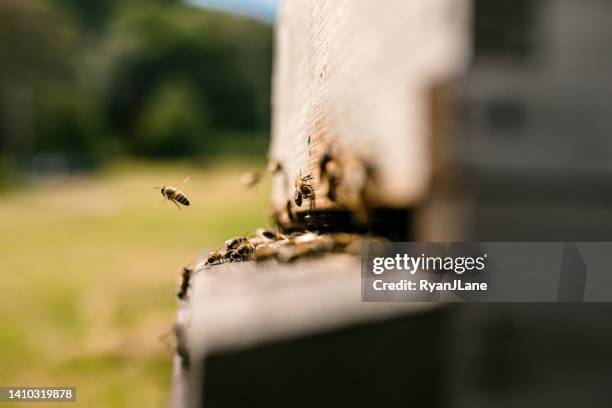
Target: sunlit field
x=90 y=269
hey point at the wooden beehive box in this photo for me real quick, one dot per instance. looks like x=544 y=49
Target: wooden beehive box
x=356 y=77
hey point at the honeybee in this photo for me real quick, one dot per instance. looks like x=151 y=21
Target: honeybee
x=358 y=177
x=250 y=179
x=237 y=249
x=168 y=339
x=215 y=257
x=185 y=280
x=233 y=243
x=289 y=212
x=291 y=253
x=297 y=198
x=245 y=251
x=182 y=349
x=274 y=166
x=324 y=243
x=175 y=195
x=303 y=238
x=265 y=252
x=303 y=189
x=270 y=235
x=330 y=175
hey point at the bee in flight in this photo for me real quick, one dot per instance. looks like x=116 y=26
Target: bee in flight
x=174 y=195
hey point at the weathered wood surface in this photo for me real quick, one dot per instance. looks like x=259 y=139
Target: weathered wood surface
x=298 y=335
x=358 y=75
x=239 y=305
x=237 y=308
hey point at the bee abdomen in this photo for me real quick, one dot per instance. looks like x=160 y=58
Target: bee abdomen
x=182 y=199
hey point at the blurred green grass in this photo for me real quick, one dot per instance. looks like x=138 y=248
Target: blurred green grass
x=90 y=271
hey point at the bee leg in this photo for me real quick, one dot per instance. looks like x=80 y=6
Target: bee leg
x=175 y=203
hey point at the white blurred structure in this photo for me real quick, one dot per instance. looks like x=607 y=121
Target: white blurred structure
x=534 y=130
x=358 y=75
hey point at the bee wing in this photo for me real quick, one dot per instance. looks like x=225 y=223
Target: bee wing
x=163 y=202
x=185 y=181
x=250 y=178
x=168 y=339
x=182 y=183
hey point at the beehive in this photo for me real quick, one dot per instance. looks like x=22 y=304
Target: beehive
x=356 y=77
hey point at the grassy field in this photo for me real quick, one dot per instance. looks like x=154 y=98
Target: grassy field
x=90 y=269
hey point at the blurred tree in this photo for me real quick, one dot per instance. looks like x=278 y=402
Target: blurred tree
x=172 y=123
x=226 y=59
x=34 y=37
x=90 y=14
x=152 y=77
x=95 y=14
x=66 y=124
x=35 y=42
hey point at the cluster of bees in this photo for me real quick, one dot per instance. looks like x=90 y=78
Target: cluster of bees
x=344 y=181
x=267 y=245
x=236 y=249
x=347 y=182
x=272 y=245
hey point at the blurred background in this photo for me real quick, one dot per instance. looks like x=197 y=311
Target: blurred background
x=533 y=121
x=99 y=102
x=83 y=83
x=102 y=100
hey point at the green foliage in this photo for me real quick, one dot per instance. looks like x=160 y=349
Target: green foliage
x=66 y=123
x=35 y=41
x=5 y=174
x=172 y=122
x=155 y=78
x=88 y=14
x=226 y=59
